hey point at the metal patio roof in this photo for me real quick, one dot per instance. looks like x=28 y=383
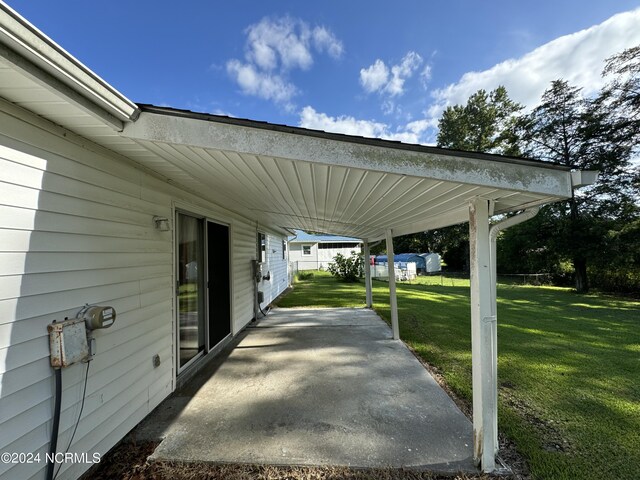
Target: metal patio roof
x=322 y=182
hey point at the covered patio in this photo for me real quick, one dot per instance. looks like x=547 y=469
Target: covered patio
x=315 y=386
x=366 y=188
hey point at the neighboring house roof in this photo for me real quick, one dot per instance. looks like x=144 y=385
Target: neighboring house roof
x=304 y=237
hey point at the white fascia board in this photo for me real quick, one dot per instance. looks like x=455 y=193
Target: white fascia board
x=21 y=37
x=180 y=130
x=583 y=178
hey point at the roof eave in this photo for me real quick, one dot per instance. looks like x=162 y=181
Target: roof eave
x=36 y=55
x=259 y=139
x=394 y=144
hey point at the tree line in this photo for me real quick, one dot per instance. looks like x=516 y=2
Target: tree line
x=591 y=239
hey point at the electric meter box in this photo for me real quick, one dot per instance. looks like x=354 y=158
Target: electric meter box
x=68 y=342
x=97 y=317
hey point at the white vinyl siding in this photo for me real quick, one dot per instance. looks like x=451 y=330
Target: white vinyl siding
x=326 y=255
x=76 y=227
x=320 y=258
x=277 y=267
x=299 y=259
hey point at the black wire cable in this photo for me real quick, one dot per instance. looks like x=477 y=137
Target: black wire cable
x=53 y=444
x=84 y=396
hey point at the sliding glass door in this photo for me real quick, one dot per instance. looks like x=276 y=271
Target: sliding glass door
x=203 y=294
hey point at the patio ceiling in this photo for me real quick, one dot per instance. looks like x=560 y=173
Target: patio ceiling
x=311 y=180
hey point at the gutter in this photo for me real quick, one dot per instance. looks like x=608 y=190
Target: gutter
x=44 y=61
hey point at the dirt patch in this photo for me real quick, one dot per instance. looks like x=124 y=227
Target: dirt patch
x=128 y=461
x=552 y=438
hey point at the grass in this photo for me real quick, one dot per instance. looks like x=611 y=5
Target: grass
x=569 y=365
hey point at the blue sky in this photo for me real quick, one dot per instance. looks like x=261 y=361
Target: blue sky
x=360 y=67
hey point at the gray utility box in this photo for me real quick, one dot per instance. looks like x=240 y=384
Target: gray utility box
x=68 y=342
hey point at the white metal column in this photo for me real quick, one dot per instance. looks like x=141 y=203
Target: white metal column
x=393 y=300
x=367 y=275
x=483 y=324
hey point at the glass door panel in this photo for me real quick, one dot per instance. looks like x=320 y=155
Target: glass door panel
x=190 y=288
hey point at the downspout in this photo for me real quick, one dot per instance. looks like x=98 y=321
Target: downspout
x=493 y=237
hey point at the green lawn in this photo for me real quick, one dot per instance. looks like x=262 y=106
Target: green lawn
x=569 y=365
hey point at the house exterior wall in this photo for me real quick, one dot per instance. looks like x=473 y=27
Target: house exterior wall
x=326 y=255
x=320 y=258
x=76 y=227
x=303 y=262
x=278 y=268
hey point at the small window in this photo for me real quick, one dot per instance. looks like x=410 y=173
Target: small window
x=306 y=250
x=284 y=250
x=262 y=247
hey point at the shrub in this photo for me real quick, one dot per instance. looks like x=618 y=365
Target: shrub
x=347 y=269
x=624 y=280
x=304 y=275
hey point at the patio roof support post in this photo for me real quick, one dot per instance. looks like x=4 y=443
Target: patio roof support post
x=367 y=275
x=393 y=299
x=483 y=325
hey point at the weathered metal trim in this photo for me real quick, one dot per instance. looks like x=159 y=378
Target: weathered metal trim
x=244 y=122
x=353 y=152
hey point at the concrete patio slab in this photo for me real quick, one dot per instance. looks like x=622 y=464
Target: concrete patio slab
x=317 y=387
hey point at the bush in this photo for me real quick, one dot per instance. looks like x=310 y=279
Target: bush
x=347 y=269
x=625 y=280
x=304 y=275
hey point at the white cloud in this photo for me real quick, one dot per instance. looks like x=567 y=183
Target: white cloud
x=388 y=107
x=273 y=48
x=425 y=76
x=404 y=70
x=374 y=77
x=261 y=84
x=325 y=40
x=349 y=125
x=577 y=58
x=280 y=42
x=380 y=78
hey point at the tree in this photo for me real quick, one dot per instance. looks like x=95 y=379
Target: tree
x=485 y=124
x=623 y=91
x=624 y=88
x=585 y=134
